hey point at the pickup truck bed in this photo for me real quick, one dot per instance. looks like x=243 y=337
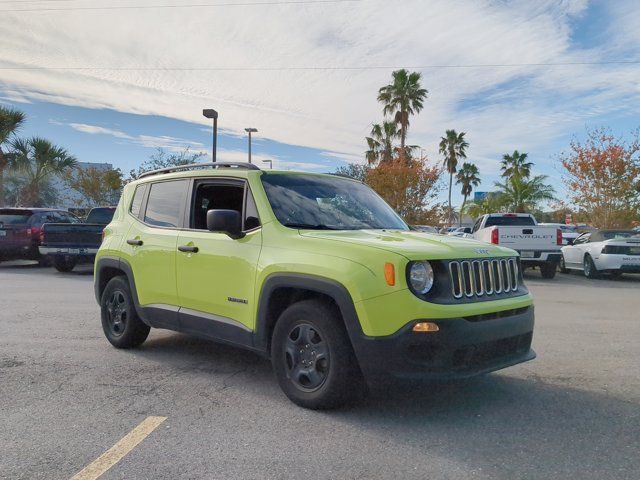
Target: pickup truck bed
x=68 y=244
x=538 y=246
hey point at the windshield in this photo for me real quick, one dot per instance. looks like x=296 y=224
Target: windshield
x=327 y=203
x=513 y=221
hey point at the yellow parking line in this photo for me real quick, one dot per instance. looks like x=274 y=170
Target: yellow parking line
x=116 y=453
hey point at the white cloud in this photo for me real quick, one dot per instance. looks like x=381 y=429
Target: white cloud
x=332 y=109
x=163 y=141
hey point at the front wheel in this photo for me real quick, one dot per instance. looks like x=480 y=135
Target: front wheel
x=120 y=322
x=312 y=357
x=548 y=270
x=563 y=266
x=590 y=270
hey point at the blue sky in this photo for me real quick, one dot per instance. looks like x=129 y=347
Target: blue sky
x=128 y=83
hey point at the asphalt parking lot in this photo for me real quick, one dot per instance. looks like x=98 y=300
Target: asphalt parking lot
x=67 y=396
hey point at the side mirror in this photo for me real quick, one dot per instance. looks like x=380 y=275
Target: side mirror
x=225 y=221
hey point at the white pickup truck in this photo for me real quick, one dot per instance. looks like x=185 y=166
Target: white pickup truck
x=538 y=246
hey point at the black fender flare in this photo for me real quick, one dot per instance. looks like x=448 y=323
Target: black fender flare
x=313 y=283
x=116 y=263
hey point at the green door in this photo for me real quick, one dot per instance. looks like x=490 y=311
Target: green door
x=151 y=243
x=216 y=283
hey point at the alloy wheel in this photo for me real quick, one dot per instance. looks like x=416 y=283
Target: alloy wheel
x=117 y=313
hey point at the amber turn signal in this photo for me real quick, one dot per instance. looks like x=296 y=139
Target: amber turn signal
x=424 y=327
x=390 y=274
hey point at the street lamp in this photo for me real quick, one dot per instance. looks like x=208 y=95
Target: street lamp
x=210 y=113
x=250 y=131
x=270 y=162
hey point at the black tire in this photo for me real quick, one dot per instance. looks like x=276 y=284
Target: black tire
x=562 y=266
x=63 y=264
x=548 y=270
x=313 y=358
x=120 y=322
x=590 y=270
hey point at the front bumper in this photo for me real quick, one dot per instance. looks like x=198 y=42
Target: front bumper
x=463 y=347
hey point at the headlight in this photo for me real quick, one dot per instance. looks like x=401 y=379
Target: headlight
x=421 y=277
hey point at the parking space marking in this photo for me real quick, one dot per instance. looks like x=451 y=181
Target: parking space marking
x=116 y=453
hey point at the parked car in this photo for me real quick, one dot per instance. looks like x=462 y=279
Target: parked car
x=314 y=271
x=538 y=246
x=604 y=251
x=447 y=230
x=20 y=231
x=569 y=232
x=460 y=232
x=424 y=228
x=68 y=244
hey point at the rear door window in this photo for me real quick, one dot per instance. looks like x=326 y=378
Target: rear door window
x=166 y=204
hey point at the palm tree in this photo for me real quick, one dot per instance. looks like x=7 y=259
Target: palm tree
x=524 y=194
x=467 y=177
x=380 y=142
x=403 y=97
x=516 y=165
x=453 y=146
x=10 y=122
x=37 y=160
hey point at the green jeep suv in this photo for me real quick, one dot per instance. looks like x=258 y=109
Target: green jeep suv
x=315 y=272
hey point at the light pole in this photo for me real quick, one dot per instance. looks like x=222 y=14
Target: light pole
x=250 y=131
x=210 y=113
x=270 y=162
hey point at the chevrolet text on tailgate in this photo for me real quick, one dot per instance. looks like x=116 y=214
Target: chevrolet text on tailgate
x=315 y=272
x=538 y=246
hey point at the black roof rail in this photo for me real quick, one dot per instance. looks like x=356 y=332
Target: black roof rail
x=194 y=166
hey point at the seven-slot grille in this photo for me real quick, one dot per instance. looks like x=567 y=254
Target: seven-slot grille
x=471 y=278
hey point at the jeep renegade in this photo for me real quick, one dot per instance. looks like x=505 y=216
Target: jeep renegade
x=315 y=272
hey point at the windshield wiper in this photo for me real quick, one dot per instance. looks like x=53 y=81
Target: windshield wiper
x=309 y=226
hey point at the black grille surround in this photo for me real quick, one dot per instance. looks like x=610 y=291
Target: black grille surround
x=472 y=280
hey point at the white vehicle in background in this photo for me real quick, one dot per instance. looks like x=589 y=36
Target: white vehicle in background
x=604 y=251
x=569 y=232
x=460 y=232
x=424 y=229
x=538 y=246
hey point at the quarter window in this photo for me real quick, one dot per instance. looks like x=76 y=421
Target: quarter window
x=166 y=202
x=136 y=203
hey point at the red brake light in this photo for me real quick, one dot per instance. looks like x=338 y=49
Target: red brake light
x=495 y=236
x=559 y=236
x=33 y=231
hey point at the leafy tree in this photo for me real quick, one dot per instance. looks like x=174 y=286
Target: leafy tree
x=97 y=187
x=523 y=195
x=454 y=147
x=37 y=161
x=163 y=159
x=468 y=177
x=380 y=142
x=516 y=165
x=602 y=176
x=494 y=202
x=403 y=97
x=10 y=121
x=407 y=185
x=354 y=170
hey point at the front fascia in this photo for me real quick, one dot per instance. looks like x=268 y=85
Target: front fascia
x=385 y=315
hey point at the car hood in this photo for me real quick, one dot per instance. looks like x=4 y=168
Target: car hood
x=413 y=245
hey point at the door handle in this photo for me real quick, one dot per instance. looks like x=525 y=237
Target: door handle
x=188 y=249
x=135 y=242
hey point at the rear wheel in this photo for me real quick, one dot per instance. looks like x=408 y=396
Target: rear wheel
x=313 y=358
x=120 y=322
x=548 y=269
x=63 y=264
x=590 y=270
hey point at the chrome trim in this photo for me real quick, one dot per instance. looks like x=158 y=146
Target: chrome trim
x=489 y=281
x=480 y=277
